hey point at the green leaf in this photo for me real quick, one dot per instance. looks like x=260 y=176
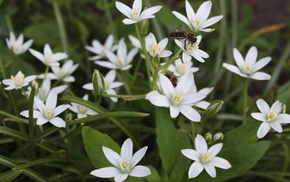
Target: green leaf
x=13 y=133
x=10 y=175
x=170 y=143
x=154 y=176
x=94 y=140
x=37 y=162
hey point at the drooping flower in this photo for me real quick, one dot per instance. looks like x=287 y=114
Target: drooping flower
x=179 y=68
x=48 y=58
x=48 y=112
x=62 y=73
x=177 y=99
x=100 y=49
x=109 y=85
x=17 y=45
x=191 y=50
x=124 y=164
x=82 y=111
x=120 y=61
x=198 y=21
x=271 y=117
x=18 y=81
x=134 y=15
x=248 y=67
x=205 y=158
x=156 y=49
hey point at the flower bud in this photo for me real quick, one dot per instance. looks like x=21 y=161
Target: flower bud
x=98 y=83
x=218 y=137
x=208 y=137
x=214 y=107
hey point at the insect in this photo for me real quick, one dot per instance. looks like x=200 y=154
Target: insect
x=172 y=78
x=188 y=37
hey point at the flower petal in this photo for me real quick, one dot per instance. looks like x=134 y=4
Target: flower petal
x=209 y=167
x=221 y=163
x=215 y=149
x=112 y=156
x=140 y=171
x=232 y=68
x=261 y=63
x=138 y=156
x=191 y=154
x=200 y=144
x=259 y=116
x=251 y=56
x=190 y=113
x=106 y=172
x=181 y=17
x=127 y=149
x=195 y=169
x=58 y=122
x=263 y=129
x=124 y=9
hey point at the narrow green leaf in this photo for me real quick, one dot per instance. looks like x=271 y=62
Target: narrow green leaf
x=37 y=162
x=13 y=133
x=31 y=123
x=94 y=140
x=9 y=175
x=16 y=118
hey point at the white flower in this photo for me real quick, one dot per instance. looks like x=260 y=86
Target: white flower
x=81 y=110
x=48 y=58
x=62 y=73
x=178 y=98
x=134 y=15
x=271 y=117
x=198 y=21
x=248 y=67
x=18 y=81
x=100 y=49
x=17 y=45
x=48 y=112
x=109 y=85
x=155 y=49
x=191 y=50
x=205 y=158
x=179 y=68
x=124 y=164
x=120 y=61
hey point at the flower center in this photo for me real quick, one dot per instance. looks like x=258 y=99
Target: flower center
x=247 y=68
x=136 y=13
x=82 y=109
x=124 y=164
x=18 y=79
x=120 y=62
x=48 y=57
x=176 y=99
x=199 y=20
x=48 y=113
x=271 y=116
x=155 y=49
x=181 y=68
x=16 y=49
x=205 y=158
x=42 y=93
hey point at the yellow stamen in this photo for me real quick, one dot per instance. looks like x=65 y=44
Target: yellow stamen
x=271 y=116
x=206 y=157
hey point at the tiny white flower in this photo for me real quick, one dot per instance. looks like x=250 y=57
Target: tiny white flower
x=109 y=85
x=48 y=112
x=136 y=43
x=18 y=81
x=120 y=61
x=180 y=68
x=271 y=117
x=177 y=99
x=82 y=111
x=248 y=67
x=17 y=45
x=124 y=164
x=198 y=21
x=62 y=73
x=205 y=158
x=156 y=49
x=134 y=15
x=48 y=58
x=191 y=50
x=100 y=49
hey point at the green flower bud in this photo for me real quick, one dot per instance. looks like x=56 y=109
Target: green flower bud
x=208 y=137
x=218 y=137
x=214 y=107
x=98 y=83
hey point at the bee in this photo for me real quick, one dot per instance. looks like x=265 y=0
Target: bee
x=172 y=78
x=188 y=37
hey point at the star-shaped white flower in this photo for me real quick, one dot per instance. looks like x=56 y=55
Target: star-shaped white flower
x=62 y=73
x=48 y=58
x=205 y=158
x=82 y=111
x=100 y=49
x=48 y=112
x=177 y=99
x=134 y=15
x=124 y=164
x=109 y=85
x=271 y=117
x=198 y=21
x=248 y=67
x=17 y=45
x=120 y=61
x=191 y=50
x=18 y=81
x=156 y=49
x=179 y=68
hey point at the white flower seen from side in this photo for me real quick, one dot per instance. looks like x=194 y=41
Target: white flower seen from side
x=99 y=49
x=249 y=66
x=121 y=60
x=271 y=117
x=135 y=15
x=17 y=45
x=82 y=111
x=198 y=21
x=48 y=58
x=191 y=50
x=109 y=85
x=205 y=158
x=124 y=164
x=156 y=49
x=177 y=99
x=18 y=81
x=48 y=112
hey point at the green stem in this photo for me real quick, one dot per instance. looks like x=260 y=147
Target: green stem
x=286 y=157
x=10 y=61
x=193 y=132
x=11 y=116
x=31 y=123
x=245 y=101
x=126 y=97
x=125 y=82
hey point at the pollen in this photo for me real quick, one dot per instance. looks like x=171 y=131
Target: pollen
x=176 y=98
x=271 y=116
x=155 y=49
x=48 y=113
x=205 y=157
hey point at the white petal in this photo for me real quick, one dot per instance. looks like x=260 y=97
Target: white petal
x=239 y=58
x=124 y=9
x=211 y=21
x=58 y=122
x=158 y=100
x=261 y=63
x=189 y=11
x=174 y=111
x=276 y=107
x=138 y=156
x=59 y=109
x=200 y=144
x=190 y=113
x=251 y=56
x=262 y=105
x=221 y=163
x=37 y=54
x=120 y=177
x=112 y=156
x=127 y=149
x=41 y=121
x=204 y=9
x=181 y=17
x=215 y=149
x=209 y=167
x=147 y=13
x=140 y=171
x=283 y=118
x=166 y=86
x=191 y=154
x=263 y=130
x=232 y=68
x=51 y=100
x=128 y=21
x=88 y=86
x=106 y=64
x=195 y=169
x=259 y=116
x=261 y=76
x=106 y=172
x=276 y=126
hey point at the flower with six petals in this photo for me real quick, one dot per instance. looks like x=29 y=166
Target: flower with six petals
x=17 y=45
